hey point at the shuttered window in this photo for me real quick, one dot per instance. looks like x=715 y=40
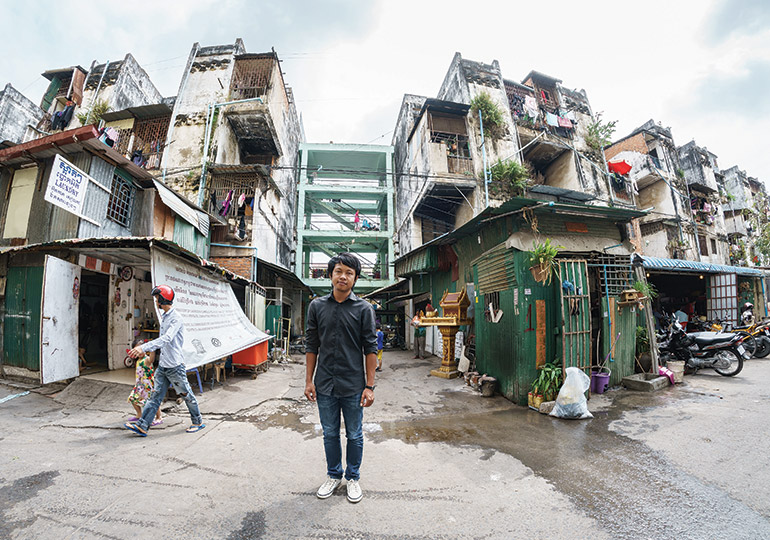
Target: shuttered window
x=496 y=270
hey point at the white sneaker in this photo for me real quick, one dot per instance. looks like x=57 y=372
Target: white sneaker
x=328 y=487
x=354 y=491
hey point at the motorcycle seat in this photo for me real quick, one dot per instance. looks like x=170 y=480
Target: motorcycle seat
x=712 y=338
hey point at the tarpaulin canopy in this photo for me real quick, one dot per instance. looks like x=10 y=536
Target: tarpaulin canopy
x=658 y=263
x=620 y=167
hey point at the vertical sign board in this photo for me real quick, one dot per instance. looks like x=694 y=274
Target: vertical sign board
x=215 y=325
x=67 y=187
x=59 y=321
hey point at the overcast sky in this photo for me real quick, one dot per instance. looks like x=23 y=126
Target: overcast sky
x=700 y=67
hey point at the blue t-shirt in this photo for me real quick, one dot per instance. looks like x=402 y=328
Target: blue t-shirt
x=380 y=340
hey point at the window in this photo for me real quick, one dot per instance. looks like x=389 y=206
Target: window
x=121 y=197
x=704 y=247
x=713 y=246
x=19 y=203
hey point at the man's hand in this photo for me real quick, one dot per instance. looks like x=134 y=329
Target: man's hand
x=310 y=391
x=136 y=352
x=367 y=398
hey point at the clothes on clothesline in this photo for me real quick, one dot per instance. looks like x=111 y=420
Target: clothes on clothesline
x=551 y=119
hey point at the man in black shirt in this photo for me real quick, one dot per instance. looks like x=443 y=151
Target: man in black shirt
x=340 y=332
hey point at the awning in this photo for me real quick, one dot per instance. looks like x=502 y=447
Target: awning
x=417 y=297
x=620 y=167
x=679 y=265
x=196 y=218
x=387 y=288
x=524 y=241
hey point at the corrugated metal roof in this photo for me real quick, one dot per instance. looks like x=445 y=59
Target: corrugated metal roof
x=679 y=265
x=183 y=209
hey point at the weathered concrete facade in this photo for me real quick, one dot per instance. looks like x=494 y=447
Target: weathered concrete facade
x=668 y=230
x=19 y=117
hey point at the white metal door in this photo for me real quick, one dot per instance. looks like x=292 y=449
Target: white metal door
x=722 y=302
x=59 y=321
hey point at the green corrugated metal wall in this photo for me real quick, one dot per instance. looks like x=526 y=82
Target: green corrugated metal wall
x=21 y=337
x=506 y=350
x=624 y=352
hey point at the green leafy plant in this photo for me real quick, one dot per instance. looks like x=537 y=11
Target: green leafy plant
x=548 y=381
x=491 y=115
x=94 y=114
x=646 y=289
x=642 y=340
x=509 y=177
x=542 y=256
x=599 y=133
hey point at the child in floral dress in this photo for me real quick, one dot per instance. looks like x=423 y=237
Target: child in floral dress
x=145 y=383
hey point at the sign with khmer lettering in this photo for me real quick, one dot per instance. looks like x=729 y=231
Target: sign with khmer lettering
x=67 y=186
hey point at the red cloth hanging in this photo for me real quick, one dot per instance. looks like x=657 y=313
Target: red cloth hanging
x=620 y=167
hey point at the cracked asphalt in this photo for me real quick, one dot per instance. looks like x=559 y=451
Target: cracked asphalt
x=440 y=461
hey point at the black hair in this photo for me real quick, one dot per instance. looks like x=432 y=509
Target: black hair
x=137 y=341
x=379 y=326
x=348 y=259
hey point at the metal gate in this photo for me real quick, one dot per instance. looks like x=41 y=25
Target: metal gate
x=722 y=302
x=575 y=314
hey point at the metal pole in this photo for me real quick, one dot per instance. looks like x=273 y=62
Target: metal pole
x=484 y=157
x=96 y=94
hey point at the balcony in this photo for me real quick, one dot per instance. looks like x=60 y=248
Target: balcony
x=647 y=172
x=254 y=131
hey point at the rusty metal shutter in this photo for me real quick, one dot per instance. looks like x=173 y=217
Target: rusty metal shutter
x=448 y=124
x=496 y=270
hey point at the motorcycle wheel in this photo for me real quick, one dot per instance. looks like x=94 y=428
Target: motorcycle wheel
x=736 y=363
x=763 y=347
x=749 y=343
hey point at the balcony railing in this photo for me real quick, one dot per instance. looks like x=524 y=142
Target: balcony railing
x=460 y=165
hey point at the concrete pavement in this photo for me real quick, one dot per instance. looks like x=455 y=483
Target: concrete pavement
x=440 y=461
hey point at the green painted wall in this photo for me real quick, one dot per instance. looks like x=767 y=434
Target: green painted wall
x=624 y=352
x=507 y=350
x=21 y=337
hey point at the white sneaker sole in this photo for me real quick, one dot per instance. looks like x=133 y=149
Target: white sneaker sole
x=351 y=499
x=326 y=496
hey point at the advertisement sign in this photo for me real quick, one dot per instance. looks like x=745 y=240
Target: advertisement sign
x=215 y=325
x=67 y=186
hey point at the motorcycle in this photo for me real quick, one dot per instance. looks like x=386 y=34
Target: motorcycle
x=763 y=341
x=720 y=351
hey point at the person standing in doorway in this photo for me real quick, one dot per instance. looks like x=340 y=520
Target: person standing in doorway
x=341 y=356
x=171 y=370
x=419 y=341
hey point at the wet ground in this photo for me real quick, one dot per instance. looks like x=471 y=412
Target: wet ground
x=440 y=461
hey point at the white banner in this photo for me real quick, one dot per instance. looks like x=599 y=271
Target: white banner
x=215 y=325
x=67 y=186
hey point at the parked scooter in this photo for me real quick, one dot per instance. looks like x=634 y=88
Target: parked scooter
x=762 y=339
x=722 y=352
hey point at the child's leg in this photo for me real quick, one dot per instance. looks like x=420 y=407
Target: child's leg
x=379 y=359
x=138 y=410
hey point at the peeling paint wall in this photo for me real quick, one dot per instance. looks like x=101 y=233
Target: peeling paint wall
x=16 y=114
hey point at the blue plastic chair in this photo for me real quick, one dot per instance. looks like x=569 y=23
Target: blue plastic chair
x=198 y=375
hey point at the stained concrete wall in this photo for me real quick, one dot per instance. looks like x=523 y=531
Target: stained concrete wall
x=736 y=183
x=16 y=114
x=697 y=165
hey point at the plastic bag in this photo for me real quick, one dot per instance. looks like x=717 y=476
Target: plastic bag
x=571 y=401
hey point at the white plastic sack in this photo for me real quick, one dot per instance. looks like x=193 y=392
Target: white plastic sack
x=571 y=402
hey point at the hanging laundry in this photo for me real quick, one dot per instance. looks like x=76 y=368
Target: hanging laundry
x=565 y=122
x=620 y=167
x=241 y=200
x=241 y=234
x=530 y=107
x=542 y=95
x=226 y=204
x=570 y=115
x=706 y=207
x=249 y=206
x=213 y=201
x=551 y=119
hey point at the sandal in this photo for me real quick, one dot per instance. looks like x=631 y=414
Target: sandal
x=133 y=419
x=136 y=429
x=195 y=427
x=157 y=422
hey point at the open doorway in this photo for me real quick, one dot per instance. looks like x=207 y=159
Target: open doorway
x=92 y=319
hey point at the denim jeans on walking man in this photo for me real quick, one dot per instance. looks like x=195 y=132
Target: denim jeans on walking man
x=329 y=409
x=164 y=377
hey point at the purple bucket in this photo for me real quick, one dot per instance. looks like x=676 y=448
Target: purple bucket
x=599 y=382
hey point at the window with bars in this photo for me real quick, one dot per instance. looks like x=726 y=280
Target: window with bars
x=225 y=192
x=121 y=199
x=144 y=143
x=251 y=77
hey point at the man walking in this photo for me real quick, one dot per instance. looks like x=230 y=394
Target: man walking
x=339 y=334
x=419 y=342
x=171 y=370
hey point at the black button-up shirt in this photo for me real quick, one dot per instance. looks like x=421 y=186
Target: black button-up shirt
x=340 y=333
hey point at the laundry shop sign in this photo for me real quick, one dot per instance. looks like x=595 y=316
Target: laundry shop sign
x=67 y=187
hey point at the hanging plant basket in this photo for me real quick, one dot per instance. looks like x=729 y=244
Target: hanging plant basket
x=540 y=272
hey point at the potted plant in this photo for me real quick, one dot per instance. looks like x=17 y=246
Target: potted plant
x=546 y=386
x=541 y=259
x=640 y=290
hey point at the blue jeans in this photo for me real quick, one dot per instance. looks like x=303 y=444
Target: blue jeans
x=165 y=377
x=329 y=408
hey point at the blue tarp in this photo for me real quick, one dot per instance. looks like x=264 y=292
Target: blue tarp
x=657 y=263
